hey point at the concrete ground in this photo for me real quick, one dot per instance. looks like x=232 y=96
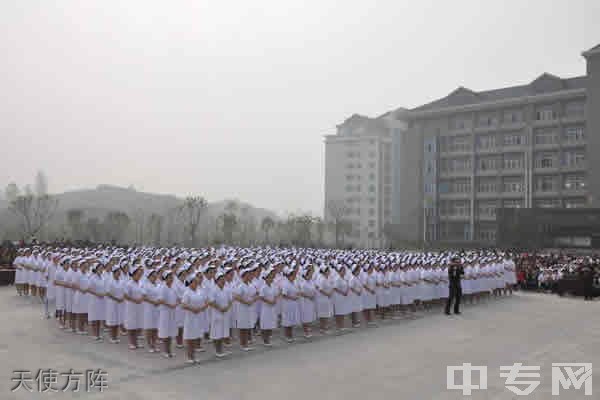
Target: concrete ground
x=403 y=359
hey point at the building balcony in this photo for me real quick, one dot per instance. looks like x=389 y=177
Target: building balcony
x=486 y=128
x=455 y=174
x=512 y=126
x=512 y=195
x=544 y=123
x=539 y=194
x=574 y=192
x=486 y=218
x=573 y=119
x=546 y=170
x=514 y=148
x=487 y=195
x=455 y=153
x=488 y=150
x=451 y=196
x=515 y=171
x=457 y=131
x=455 y=218
x=574 y=144
x=487 y=172
x=546 y=146
x=574 y=168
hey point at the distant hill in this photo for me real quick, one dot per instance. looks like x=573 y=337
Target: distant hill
x=106 y=198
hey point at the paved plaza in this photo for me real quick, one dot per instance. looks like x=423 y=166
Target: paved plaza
x=403 y=359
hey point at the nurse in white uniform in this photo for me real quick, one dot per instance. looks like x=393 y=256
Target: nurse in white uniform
x=245 y=296
x=167 y=325
x=96 y=312
x=115 y=292
x=134 y=310
x=324 y=299
x=151 y=306
x=308 y=293
x=355 y=296
x=220 y=302
x=194 y=304
x=341 y=299
x=269 y=296
x=290 y=303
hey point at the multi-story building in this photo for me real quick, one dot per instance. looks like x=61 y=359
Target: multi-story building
x=358 y=176
x=466 y=155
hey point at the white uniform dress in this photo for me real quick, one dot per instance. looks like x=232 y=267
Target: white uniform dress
x=290 y=309
x=324 y=303
x=151 y=311
x=167 y=324
x=220 y=322
x=96 y=311
x=268 y=312
x=369 y=300
x=114 y=314
x=80 y=299
x=245 y=317
x=308 y=308
x=194 y=325
x=134 y=312
x=60 y=290
x=342 y=305
x=355 y=299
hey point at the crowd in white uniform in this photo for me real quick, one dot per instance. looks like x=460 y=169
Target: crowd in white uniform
x=208 y=294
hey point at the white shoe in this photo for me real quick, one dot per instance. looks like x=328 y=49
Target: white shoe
x=190 y=361
x=247 y=348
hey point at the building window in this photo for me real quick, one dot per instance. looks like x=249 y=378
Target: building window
x=574 y=182
x=513 y=116
x=486 y=142
x=371 y=212
x=512 y=161
x=546 y=184
x=548 y=203
x=488 y=120
x=372 y=177
x=514 y=139
x=546 y=114
x=488 y=163
x=487 y=186
x=371 y=165
x=512 y=204
x=371 y=200
x=574 y=203
x=487 y=209
x=546 y=137
x=575 y=109
x=456 y=164
x=371 y=223
x=372 y=188
x=455 y=208
x=546 y=160
x=574 y=159
x=574 y=134
x=513 y=185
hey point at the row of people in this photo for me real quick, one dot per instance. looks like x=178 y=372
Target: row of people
x=194 y=295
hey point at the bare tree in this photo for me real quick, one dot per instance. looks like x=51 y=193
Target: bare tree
x=94 y=229
x=33 y=211
x=115 y=225
x=74 y=219
x=337 y=211
x=138 y=219
x=155 y=223
x=11 y=192
x=41 y=184
x=267 y=225
x=192 y=209
x=320 y=227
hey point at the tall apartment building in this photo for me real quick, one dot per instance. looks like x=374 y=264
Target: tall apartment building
x=466 y=155
x=358 y=175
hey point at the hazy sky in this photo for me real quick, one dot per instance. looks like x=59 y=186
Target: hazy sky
x=232 y=98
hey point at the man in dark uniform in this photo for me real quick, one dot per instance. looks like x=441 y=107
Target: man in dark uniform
x=455 y=274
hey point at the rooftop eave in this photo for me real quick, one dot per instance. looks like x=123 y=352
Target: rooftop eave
x=592 y=52
x=498 y=103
